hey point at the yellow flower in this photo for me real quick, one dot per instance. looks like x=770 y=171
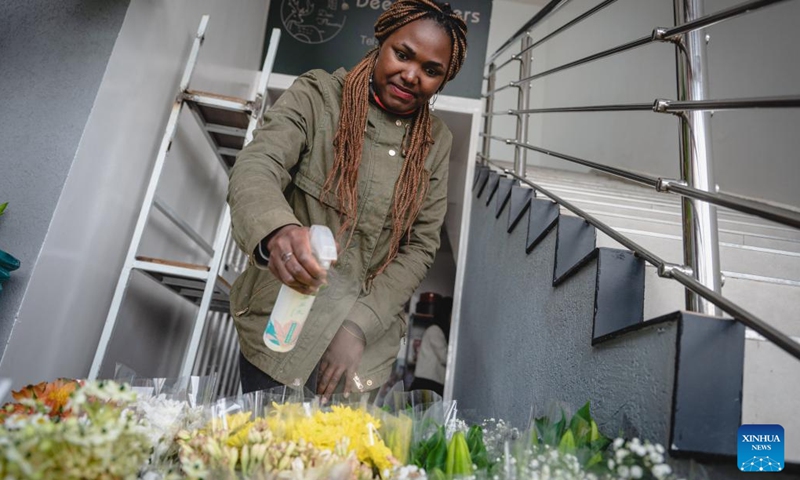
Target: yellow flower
x=327 y=429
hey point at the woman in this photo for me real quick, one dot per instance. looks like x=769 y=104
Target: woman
x=431 y=368
x=361 y=153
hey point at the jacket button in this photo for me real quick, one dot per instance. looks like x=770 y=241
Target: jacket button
x=398 y=123
x=392 y=153
x=369 y=382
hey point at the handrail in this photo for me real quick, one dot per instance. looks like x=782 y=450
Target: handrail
x=671 y=106
x=538 y=17
x=712 y=18
x=597 y=56
x=662 y=35
x=765 y=210
x=498 y=89
x=776 y=213
x=619 y=172
x=676 y=272
x=674 y=106
x=569 y=24
x=552 y=34
x=780 y=339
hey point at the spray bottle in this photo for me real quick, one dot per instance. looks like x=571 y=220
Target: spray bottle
x=292 y=307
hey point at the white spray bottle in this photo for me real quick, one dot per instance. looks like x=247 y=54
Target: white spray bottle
x=292 y=307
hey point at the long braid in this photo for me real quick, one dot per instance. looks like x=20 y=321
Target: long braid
x=412 y=185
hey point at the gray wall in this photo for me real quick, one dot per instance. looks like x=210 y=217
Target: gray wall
x=47 y=50
x=70 y=290
x=755 y=152
x=524 y=345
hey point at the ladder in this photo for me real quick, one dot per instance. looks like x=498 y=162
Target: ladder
x=228 y=124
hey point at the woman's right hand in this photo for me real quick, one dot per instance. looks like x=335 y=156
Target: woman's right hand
x=291 y=260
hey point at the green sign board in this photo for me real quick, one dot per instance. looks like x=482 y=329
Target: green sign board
x=329 y=34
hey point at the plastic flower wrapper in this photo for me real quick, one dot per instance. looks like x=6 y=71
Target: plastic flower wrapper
x=250 y=450
x=99 y=439
x=397 y=430
x=425 y=408
x=194 y=389
x=164 y=418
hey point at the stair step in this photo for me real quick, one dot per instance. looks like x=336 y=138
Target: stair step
x=647 y=211
x=770 y=396
x=774 y=303
x=735 y=258
x=186 y=280
x=673 y=227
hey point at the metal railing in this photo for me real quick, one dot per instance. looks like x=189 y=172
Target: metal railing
x=700 y=274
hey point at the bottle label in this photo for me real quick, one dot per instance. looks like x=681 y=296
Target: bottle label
x=283 y=334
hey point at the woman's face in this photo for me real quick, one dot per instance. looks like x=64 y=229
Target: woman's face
x=411 y=66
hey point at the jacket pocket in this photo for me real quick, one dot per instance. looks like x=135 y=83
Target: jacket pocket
x=313 y=188
x=254 y=293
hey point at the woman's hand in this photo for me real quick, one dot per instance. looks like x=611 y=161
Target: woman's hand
x=291 y=260
x=341 y=358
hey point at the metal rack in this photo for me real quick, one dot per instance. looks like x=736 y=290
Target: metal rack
x=700 y=273
x=227 y=124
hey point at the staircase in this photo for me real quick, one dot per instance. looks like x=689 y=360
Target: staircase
x=556 y=311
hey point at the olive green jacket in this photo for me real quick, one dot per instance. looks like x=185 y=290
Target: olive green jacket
x=277 y=180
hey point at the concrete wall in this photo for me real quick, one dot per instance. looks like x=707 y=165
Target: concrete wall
x=754 y=151
x=524 y=345
x=46 y=50
x=71 y=288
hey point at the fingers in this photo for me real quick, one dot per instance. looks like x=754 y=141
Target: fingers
x=292 y=261
x=348 y=381
x=330 y=378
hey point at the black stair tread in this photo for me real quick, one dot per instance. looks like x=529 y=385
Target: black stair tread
x=503 y=194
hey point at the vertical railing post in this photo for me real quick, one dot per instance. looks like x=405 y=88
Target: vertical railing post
x=523 y=103
x=488 y=108
x=700 y=235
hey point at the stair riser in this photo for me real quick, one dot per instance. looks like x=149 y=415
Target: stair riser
x=673 y=228
x=772 y=392
x=732 y=259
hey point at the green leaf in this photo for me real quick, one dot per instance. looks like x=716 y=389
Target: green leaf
x=584 y=413
x=459 y=461
x=594 y=432
x=596 y=459
x=567 y=443
x=436 y=474
x=3 y=207
x=437 y=451
x=542 y=425
x=555 y=431
x=477 y=448
x=534 y=435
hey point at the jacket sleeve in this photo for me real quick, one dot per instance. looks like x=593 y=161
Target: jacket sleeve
x=375 y=310
x=261 y=173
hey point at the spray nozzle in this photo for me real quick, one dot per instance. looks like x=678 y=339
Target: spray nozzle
x=323 y=246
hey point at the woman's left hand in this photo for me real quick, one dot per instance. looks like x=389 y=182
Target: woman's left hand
x=341 y=358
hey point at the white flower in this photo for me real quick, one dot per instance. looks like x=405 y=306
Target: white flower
x=639 y=450
x=659 y=448
x=656 y=458
x=611 y=464
x=623 y=471
x=618 y=442
x=621 y=453
x=636 y=471
x=661 y=471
